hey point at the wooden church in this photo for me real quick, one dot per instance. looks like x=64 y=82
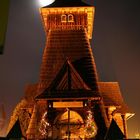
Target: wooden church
x=69 y=101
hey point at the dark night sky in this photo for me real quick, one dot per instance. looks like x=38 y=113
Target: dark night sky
x=116 y=46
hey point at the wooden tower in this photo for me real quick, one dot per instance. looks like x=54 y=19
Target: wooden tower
x=69 y=101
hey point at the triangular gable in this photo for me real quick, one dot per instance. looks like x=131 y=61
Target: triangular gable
x=15 y=131
x=114 y=132
x=68 y=78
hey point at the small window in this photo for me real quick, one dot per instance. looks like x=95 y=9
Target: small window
x=63 y=18
x=70 y=18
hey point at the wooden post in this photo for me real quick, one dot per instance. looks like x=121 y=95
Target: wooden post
x=68 y=124
x=124 y=125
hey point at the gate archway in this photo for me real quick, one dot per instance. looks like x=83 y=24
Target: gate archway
x=69 y=124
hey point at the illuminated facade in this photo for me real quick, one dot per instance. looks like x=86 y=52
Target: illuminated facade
x=69 y=102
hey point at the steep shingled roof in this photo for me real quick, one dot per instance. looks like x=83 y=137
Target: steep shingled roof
x=112 y=96
x=72 y=44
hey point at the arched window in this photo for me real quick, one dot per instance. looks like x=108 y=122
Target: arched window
x=70 y=18
x=63 y=18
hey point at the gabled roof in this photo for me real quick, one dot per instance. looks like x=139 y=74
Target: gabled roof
x=112 y=96
x=67 y=3
x=15 y=131
x=68 y=84
x=68 y=78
